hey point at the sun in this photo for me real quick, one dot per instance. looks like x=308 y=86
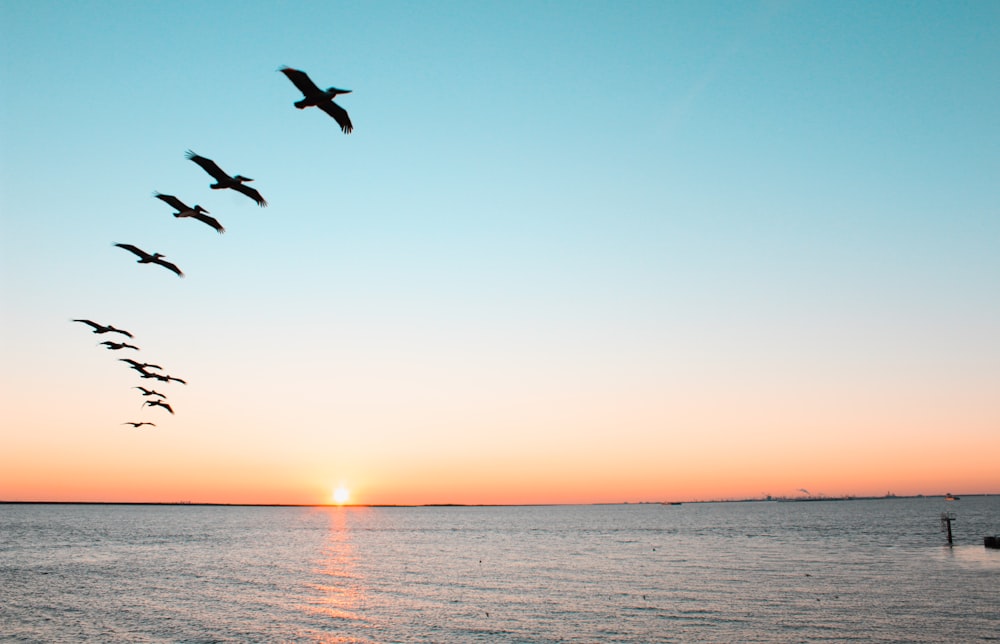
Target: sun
x=340 y=495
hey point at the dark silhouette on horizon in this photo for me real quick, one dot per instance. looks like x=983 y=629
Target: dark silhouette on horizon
x=101 y=328
x=155 y=258
x=115 y=346
x=224 y=181
x=157 y=402
x=138 y=425
x=185 y=211
x=149 y=392
x=315 y=97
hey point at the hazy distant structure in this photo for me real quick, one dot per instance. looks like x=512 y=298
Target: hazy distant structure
x=224 y=181
x=149 y=392
x=138 y=425
x=155 y=258
x=316 y=97
x=185 y=211
x=101 y=328
x=158 y=402
x=116 y=346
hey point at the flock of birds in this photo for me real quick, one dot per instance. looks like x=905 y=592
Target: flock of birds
x=313 y=96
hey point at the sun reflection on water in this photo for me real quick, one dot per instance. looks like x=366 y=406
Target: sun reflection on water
x=338 y=592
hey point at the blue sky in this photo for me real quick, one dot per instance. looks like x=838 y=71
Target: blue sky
x=630 y=206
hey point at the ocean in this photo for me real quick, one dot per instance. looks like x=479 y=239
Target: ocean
x=861 y=570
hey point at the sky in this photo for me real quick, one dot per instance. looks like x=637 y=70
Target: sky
x=573 y=252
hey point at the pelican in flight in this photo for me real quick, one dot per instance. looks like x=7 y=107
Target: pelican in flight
x=162 y=377
x=155 y=258
x=223 y=180
x=138 y=425
x=101 y=328
x=316 y=97
x=183 y=210
x=115 y=346
x=156 y=402
x=149 y=392
x=141 y=366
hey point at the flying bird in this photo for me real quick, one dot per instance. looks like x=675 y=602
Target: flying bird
x=142 y=366
x=155 y=258
x=101 y=328
x=223 y=180
x=115 y=346
x=183 y=210
x=149 y=392
x=316 y=97
x=162 y=377
x=138 y=425
x=156 y=402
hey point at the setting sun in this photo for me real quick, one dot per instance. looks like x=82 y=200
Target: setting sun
x=340 y=495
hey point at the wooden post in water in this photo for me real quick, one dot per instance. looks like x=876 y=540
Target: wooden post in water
x=946 y=519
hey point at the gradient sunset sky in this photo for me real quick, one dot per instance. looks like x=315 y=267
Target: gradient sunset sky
x=572 y=252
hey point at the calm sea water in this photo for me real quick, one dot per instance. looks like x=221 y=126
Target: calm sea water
x=715 y=572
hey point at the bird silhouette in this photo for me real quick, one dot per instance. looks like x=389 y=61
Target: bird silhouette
x=183 y=210
x=316 y=97
x=155 y=258
x=149 y=392
x=141 y=366
x=162 y=377
x=101 y=328
x=115 y=346
x=138 y=425
x=224 y=181
x=157 y=402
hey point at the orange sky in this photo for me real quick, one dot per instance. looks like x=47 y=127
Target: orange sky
x=121 y=464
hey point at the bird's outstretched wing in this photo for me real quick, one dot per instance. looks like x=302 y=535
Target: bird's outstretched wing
x=134 y=250
x=208 y=166
x=252 y=193
x=90 y=323
x=159 y=403
x=173 y=201
x=140 y=365
x=162 y=377
x=116 y=346
x=339 y=115
x=303 y=82
x=208 y=219
x=100 y=328
x=169 y=266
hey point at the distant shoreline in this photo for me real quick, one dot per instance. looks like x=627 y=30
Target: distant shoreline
x=810 y=499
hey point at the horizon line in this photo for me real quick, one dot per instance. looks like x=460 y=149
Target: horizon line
x=802 y=499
